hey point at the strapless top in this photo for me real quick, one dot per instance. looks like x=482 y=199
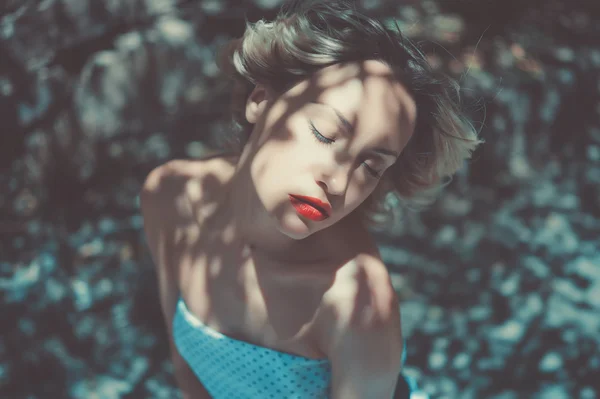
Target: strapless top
x=234 y=369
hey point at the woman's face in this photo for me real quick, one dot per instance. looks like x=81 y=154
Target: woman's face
x=330 y=137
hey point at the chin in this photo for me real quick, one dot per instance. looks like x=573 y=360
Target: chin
x=295 y=229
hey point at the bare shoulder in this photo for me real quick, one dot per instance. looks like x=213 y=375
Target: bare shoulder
x=170 y=199
x=171 y=204
x=360 y=331
x=363 y=294
x=363 y=277
x=173 y=185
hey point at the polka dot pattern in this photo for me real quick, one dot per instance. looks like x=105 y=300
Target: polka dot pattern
x=234 y=369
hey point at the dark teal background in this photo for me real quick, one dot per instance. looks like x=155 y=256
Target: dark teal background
x=499 y=280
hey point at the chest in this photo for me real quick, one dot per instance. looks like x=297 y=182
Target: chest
x=225 y=291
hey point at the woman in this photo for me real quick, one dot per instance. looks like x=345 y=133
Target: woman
x=270 y=282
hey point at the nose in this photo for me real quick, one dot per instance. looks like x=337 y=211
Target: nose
x=334 y=180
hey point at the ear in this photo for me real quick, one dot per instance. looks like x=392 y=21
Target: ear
x=257 y=103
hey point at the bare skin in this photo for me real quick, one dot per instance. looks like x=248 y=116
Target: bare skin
x=251 y=295
x=224 y=236
x=220 y=280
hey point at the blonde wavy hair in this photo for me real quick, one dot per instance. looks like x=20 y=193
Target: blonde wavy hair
x=308 y=35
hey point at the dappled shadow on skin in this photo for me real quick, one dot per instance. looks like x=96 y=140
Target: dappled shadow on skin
x=203 y=246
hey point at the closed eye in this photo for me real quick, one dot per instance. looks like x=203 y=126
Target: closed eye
x=327 y=141
x=320 y=138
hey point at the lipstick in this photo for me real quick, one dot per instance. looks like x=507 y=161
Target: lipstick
x=310 y=207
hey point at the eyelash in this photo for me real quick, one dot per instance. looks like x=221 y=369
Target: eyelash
x=325 y=141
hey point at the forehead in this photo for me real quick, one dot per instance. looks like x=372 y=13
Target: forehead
x=367 y=94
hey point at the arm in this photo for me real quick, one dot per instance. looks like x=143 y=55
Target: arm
x=162 y=213
x=365 y=344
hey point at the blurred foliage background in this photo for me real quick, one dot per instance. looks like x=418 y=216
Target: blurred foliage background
x=499 y=280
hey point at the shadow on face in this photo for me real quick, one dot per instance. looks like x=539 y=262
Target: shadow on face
x=331 y=136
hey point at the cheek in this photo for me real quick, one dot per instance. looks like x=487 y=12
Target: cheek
x=276 y=164
x=356 y=195
x=284 y=133
x=293 y=152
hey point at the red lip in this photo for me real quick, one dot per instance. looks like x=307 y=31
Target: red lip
x=311 y=207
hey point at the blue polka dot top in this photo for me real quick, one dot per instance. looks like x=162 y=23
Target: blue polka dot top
x=234 y=369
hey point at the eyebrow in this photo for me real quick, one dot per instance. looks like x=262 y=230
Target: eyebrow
x=342 y=119
x=350 y=129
